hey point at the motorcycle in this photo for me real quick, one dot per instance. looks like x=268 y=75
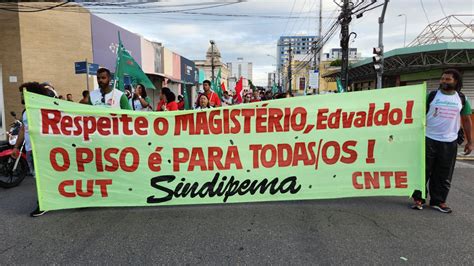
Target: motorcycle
x=12 y=171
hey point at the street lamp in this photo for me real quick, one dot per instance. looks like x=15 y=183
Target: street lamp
x=275 y=71
x=212 y=60
x=405 y=34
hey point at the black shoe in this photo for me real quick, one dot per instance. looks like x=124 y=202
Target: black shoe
x=37 y=212
x=442 y=207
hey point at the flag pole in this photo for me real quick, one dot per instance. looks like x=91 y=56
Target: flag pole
x=87 y=75
x=117 y=62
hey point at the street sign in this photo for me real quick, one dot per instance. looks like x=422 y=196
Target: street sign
x=80 y=68
x=93 y=69
x=314 y=79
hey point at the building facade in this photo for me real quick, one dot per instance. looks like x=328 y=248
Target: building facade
x=44 y=46
x=336 y=53
x=240 y=68
x=300 y=67
x=213 y=60
x=299 y=45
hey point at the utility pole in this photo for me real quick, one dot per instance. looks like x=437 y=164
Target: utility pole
x=289 y=67
x=345 y=18
x=87 y=75
x=381 y=21
x=320 y=33
x=212 y=60
x=277 y=82
x=317 y=90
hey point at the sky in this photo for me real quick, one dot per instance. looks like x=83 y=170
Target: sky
x=253 y=35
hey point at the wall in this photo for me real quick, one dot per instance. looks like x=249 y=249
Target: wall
x=176 y=67
x=105 y=42
x=167 y=62
x=324 y=85
x=10 y=59
x=148 y=56
x=51 y=42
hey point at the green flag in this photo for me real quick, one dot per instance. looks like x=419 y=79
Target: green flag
x=340 y=89
x=127 y=66
x=216 y=86
x=202 y=76
x=274 y=88
x=186 y=99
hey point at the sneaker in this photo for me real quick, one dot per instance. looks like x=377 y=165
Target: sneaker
x=442 y=207
x=37 y=212
x=418 y=205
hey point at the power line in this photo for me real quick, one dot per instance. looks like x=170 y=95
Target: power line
x=117 y=12
x=128 y=13
x=317 y=46
x=307 y=18
x=37 y=10
x=301 y=11
x=291 y=13
x=140 y=5
x=248 y=15
x=168 y=11
x=442 y=8
x=424 y=11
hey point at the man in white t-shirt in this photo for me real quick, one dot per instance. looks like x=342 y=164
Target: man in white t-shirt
x=447 y=109
x=106 y=96
x=226 y=99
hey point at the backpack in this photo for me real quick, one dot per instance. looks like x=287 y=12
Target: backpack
x=461 y=95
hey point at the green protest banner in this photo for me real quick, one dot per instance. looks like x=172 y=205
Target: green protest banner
x=356 y=144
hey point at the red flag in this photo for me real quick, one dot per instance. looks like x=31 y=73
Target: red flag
x=238 y=90
x=223 y=86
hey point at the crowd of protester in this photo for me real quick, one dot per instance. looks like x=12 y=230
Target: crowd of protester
x=207 y=98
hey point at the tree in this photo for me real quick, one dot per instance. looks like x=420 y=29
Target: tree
x=336 y=63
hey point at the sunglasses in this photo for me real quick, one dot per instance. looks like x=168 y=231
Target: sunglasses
x=103 y=98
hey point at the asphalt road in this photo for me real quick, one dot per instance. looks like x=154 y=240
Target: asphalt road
x=380 y=230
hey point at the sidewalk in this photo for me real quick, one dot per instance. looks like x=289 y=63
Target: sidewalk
x=462 y=157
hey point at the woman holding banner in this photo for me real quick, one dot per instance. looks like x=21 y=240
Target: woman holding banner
x=203 y=102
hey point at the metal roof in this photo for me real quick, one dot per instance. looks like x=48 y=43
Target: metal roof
x=414 y=59
x=420 y=49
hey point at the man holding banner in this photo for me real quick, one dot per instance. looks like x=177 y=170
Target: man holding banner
x=446 y=107
x=107 y=96
x=24 y=135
